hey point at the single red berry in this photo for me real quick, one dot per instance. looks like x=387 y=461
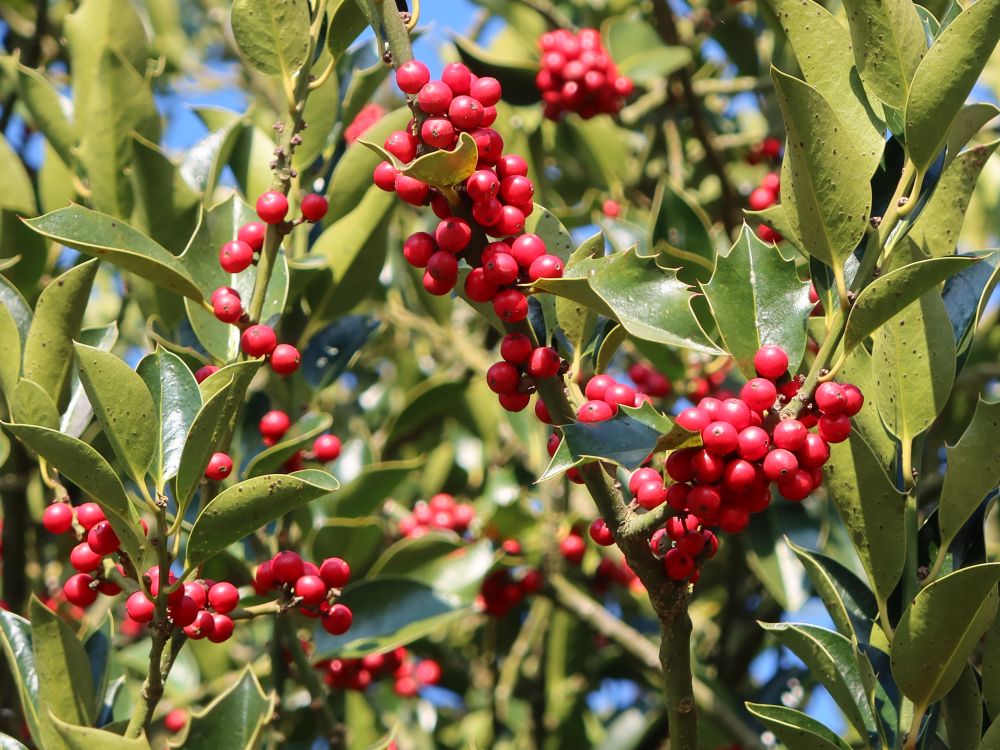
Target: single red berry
x=219 y=467
x=739 y=474
x=477 y=288
x=761 y=198
x=263 y=580
x=619 y=394
x=516 y=189
x=546 y=267
x=274 y=424
x=753 y=443
x=704 y=501
x=678 y=565
x=691 y=544
x=183 y=612
x=527 y=248
x=434 y=97
x=595 y=411
x=641 y=476
x=487 y=213
x=482 y=185
x=314 y=207
x=197 y=590
x=258 y=341
x=601 y=534
x=84 y=559
x=443 y=267
x=139 y=608
x=677 y=496
x=252 y=233
x=780 y=464
x=437 y=132
x=223 y=597
x=503 y=378
x=514 y=402
x=79 y=591
x=453 y=235
x=693 y=419
x=487 y=90
x=335 y=572
x=789 y=434
x=678 y=526
x=402 y=145
x=58 y=518
x=490 y=147
x=175 y=721
x=412 y=76
x=834 y=428
x=611 y=209
x=338 y=620
x=411 y=190
x=797 y=486
x=544 y=362
x=385 y=176
x=285 y=359
x=771 y=181
x=510 y=305
x=286 y=567
x=202 y=627
x=203 y=373
x=511 y=165
x=235 y=256
x=733 y=519
x=678 y=465
x=465 y=112
x=831 y=399
x=102 y=538
x=516 y=348
x=222 y=629
x=272 y=207
x=720 y=438
x=706 y=466
x=418 y=249
x=326 y=448
x=597 y=386
x=458 y=77
x=814 y=453
x=736 y=412
x=759 y=394
x=854 y=399
x=311 y=588
x=651 y=494
x=511 y=222
x=771 y=362
x=572 y=548
x=542 y=412
x=89 y=514
x=227 y=307
x=428 y=672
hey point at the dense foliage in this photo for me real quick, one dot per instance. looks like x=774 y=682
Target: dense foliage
x=624 y=378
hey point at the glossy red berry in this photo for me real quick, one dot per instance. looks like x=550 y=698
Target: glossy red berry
x=139 y=608
x=252 y=234
x=465 y=112
x=789 y=434
x=761 y=198
x=272 y=207
x=693 y=419
x=503 y=378
x=227 y=307
x=487 y=90
x=814 y=453
x=326 y=448
x=780 y=464
x=287 y=567
x=516 y=348
x=759 y=394
x=854 y=399
x=678 y=465
x=510 y=305
x=771 y=362
x=831 y=399
x=544 y=362
x=84 y=559
x=511 y=221
x=219 y=467
x=834 y=428
x=418 y=249
x=514 y=402
x=704 y=501
x=311 y=588
x=202 y=627
x=222 y=629
x=335 y=572
x=78 y=590
x=89 y=514
x=595 y=411
x=458 y=77
x=754 y=443
x=285 y=359
x=258 y=341
x=720 y=438
x=338 y=620
x=477 y=288
x=102 y=538
x=739 y=474
x=274 y=424
x=235 y=256
x=202 y=373
x=641 y=476
x=651 y=494
x=58 y=518
x=411 y=190
x=434 y=97
x=402 y=145
x=437 y=132
x=572 y=548
x=546 y=267
x=678 y=565
x=482 y=185
x=601 y=534
x=500 y=269
x=706 y=466
x=511 y=165
x=412 y=76
x=314 y=207
x=385 y=176
x=797 y=486
x=184 y=612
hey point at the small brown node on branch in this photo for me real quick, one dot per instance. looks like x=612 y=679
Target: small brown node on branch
x=296 y=140
x=875 y=221
x=279 y=126
x=922 y=572
x=903 y=201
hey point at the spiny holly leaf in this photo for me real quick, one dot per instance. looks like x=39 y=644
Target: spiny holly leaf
x=441 y=169
x=757 y=298
x=940 y=629
x=273 y=34
x=233 y=720
x=87 y=738
x=945 y=78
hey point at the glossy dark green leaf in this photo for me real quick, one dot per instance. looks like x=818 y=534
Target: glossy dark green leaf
x=836 y=664
x=962 y=710
x=123 y=407
x=30 y=404
x=89 y=470
x=273 y=35
x=98 y=645
x=356 y=540
x=87 y=738
x=234 y=720
x=48 y=352
x=17 y=307
x=680 y=232
x=243 y=508
x=939 y=631
x=176 y=401
x=889 y=42
x=945 y=77
x=15 y=637
x=441 y=169
x=557 y=238
x=651 y=303
x=798 y=731
x=825 y=201
x=851 y=604
x=77 y=415
x=913 y=361
x=757 y=298
x=516 y=74
x=299 y=437
x=10 y=364
x=389 y=612
x=439 y=560
x=65 y=687
x=166 y=207
x=769 y=557
x=872 y=511
x=889 y=294
x=345 y=25
x=825 y=55
x=106 y=237
x=367 y=491
x=973 y=470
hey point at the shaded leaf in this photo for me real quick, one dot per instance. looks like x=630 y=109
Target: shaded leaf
x=851 y=604
x=439 y=560
x=516 y=74
x=330 y=350
x=233 y=720
x=65 y=687
x=680 y=232
x=16 y=191
x=373 y=486
x=962 y=710
x=798 y=731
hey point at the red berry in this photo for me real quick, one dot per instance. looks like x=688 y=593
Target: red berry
x=516 y=348
x=503 y=378
x=780 y=464
x=511 y=165
x=222 y=629
x=78 y=590
x=183 y=612
x=704 y=501
x=411 y=190
x=202 y=627
x=311 y=588
x=759 y=394
x=516 y=189
x=761 y=198
x=434 y=97
x=437 y=132
x=102 y=538
x=402 y=145
x=542 y=412
x=510 y=305
x=831 y=399
x=428 y=672
x=175 y=721
x=326 y=448
x=223 y=597
x=514 y=402
x=274 y=424
x=477 y=288
x=834 y=428
x=219 y=467
x=272 y=207
x=235 y=256
x=739 y=474
x=678 y=565
x=546 y=267
x=720 y=438
x=733 y=519
x=544 y=363
x=611 y=209
x=601 y=534
x=203 y=373
x=227 y=307
x=678 y=465
x=84 y=559
x=285 y=359
x=252 y=234
x=500 y=269
x=418 y=248
x=707 y=467
x=385 y=176
x=853 y=398
x=641 y=476
x=597 y=386
x=139 y=608
x=482 y=185
x=338 y=620
x=58 y=518
x=789 y=434
x=753 y=443
x=771 y=181
x=465 y=112
x=572 y=548
x=286 y=567
x=458 y=78
x=487 y=90
x=487 y=213
x=736 y=412
x=314 y=207
x=197 y=591
x=258 y=341
x=693 y=419
x=263 y=578
x=527 y=248
x=490 y=147
x=691 y=544
x=619 y=394
x=412 y=76
x=677 y=496
x=595 y=411
x=89 y=514
x=651 y=494
x=771 y=362
x=335 y=572
x=814 y=453
x=797 y=486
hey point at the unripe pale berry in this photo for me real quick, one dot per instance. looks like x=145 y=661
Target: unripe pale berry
x=258 y=341
x=272 y=207
x=58 y=518
x=285 y=359
x=219 y=467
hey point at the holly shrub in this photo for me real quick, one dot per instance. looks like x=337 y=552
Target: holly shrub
x=605 y=374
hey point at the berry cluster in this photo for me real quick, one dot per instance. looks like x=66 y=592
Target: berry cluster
x=201 y=608
x=578 y=75
x=365 y=119
x=409 y=675
x=502 y=591
x=494 y=200
x=275 y=424
x=649 y=380
x=513 y=378
x=604 y=396
x=440 y=512
x=764 y=196
x=609 y=572
x=768 y=150
x=313 y=589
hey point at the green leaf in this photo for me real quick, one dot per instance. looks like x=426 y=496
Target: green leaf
x=440 y=561
x=356 y=540
x=78 y=412
x=913 y=361
x=322 y=108
x=222 y=396
x=651 y=304
x=757 y=298
x=939 y=631
x=65 y=687
x=166 y=207
x=30 y=404
x=98 y=645
x=851 y=604
x=825 y=200
x=122 y=405
x=770 y=559
x=17 y=307
x=867 y=423
x=47 y=109
x=969 y=121
x=557 y=238
x=367 y=491
x=825 y=55
x=991 y=740
x=15 y=637
x=299 y=437
x=10 y=364
x=872 y=511
x=798 y=731
x=648 y=67
x=680 y=232
x=48 y=351
x=361 y=89
x=240 y=510
x=990 y=669
x=345 y=25
x=104 y=236
x=16 y=191
x=234 y=720
x=889 y=42
x=90 y=471
x=838 y=665
x=441 y=169
x=176 y=402
x=973 y=470
x=962 y=709
x=273 y=35
x=388 y=612
x=88 y=738
x=218 y=226
x=889 y=294
x=945 y=78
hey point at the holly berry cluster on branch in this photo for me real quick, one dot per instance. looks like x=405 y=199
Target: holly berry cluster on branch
x=313 y=589
x=513 y=379
x=409 y=675
x=578 y=75
x=494 y=200
x=440 y=512
x=504 y=589
x=188 y=607
x=275 y=424
x=764 y=196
